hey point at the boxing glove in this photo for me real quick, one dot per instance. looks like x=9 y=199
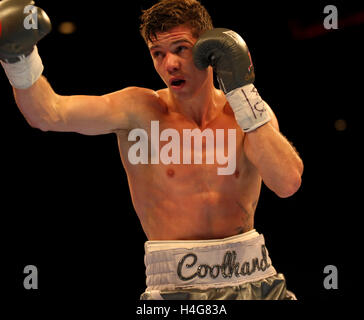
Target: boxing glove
x=15 y=39
x=22 y=25
x=228 y=54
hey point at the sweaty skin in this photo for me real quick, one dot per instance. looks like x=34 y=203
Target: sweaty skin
x=190 y=201
x=176 y=201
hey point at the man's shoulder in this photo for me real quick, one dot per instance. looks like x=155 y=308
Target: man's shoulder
x=148 y=98
x=138 y=99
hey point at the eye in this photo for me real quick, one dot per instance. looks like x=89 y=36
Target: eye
x=156 y=54
x=179 y=49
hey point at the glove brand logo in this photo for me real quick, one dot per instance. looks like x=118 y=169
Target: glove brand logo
x=170 y=152
x=31 y=20
x=250 y=76
x=251 y=62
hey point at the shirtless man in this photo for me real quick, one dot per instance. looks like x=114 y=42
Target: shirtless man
x=199 y=223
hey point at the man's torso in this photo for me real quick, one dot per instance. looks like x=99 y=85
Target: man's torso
x=190 y=201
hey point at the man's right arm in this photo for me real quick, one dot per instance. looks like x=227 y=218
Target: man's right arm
x=40 y=105
x=90 y=115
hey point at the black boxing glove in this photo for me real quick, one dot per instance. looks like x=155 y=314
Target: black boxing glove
x=228 y=54
x=22 y=26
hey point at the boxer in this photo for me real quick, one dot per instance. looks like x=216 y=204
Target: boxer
x=200 y=225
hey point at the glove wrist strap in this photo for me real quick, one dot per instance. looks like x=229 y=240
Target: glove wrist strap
x=249 y=108
x=24 y=73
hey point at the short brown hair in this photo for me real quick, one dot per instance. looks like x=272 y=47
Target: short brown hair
x=167 y=14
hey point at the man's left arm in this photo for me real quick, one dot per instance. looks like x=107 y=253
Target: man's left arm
x=275 y=158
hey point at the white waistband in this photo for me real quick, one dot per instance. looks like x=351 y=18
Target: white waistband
x=151 y=246
x=212 y=263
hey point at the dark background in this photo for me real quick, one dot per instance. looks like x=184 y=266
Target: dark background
x=66 y=206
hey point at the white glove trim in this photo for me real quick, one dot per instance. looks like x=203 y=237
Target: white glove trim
x=24 y=73
x=249 y=108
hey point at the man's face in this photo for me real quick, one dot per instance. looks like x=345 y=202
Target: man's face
x=173 y=60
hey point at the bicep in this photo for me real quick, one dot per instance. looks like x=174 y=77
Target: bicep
x=94 y=115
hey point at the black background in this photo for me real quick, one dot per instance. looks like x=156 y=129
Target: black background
x=66 y=206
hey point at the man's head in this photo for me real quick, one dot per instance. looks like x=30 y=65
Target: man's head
x=170 y=29
x=167 y=14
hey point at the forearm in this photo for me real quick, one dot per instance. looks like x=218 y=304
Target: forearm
x=38 y=104
x=275 y=158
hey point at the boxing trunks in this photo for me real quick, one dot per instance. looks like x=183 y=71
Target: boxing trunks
x=234 y=268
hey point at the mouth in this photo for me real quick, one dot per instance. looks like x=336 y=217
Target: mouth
x=177 y=83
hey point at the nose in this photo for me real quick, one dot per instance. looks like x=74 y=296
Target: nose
x=172 y=63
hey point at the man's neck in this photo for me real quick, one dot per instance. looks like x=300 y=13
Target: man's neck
x=201 y=108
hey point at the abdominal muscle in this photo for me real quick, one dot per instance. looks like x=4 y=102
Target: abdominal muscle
x=200 y=216
x=192 y=202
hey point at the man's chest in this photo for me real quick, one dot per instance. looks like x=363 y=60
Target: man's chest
x=172 y=140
